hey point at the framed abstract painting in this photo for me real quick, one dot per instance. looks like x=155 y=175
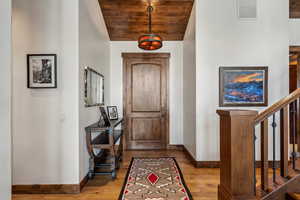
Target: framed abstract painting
x=243 y=86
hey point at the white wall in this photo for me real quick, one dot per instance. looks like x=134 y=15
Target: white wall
x=175 y=82
x=45 y=121
x=94 y=52
x=189 y=86
x=223 y=40
x=294 y=31
x=5 y=100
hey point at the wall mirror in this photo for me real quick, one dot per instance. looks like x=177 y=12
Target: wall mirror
x=94 y=88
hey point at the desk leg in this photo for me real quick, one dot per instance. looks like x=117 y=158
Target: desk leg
x=121 y=149
x=113 y=154
x=113 y=167
x=91 y=168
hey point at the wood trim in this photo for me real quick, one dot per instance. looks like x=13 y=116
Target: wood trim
x=167 y=60
x=189 y=156
x=46 y=189
x=146 y=55
x=50 y=188
x=270 y=164
x=200 y=164
x=295 y=83
x=236 y=112
x=216 y=164
x=124 y=90
x=208 y=164
x=177 y=147
x=298 y=105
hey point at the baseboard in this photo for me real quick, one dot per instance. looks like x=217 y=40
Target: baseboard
x=270 y=164
x=178 y=147
x=207 y=164
x=201 y=164
x=51 y=188
x=216 y=164
x=46 y=189
x=189 y=156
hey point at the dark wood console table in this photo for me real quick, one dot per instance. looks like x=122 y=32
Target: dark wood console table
x=110 y=154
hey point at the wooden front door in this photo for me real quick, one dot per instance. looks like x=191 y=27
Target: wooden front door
x=145 y=87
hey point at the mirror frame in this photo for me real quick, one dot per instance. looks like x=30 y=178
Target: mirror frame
x=86 y=71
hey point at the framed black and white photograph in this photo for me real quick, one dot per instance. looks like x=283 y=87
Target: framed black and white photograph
x=41 y=71
x=103 y=117
x=112 y=112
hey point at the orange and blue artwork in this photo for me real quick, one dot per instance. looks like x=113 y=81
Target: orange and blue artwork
x=243 y=86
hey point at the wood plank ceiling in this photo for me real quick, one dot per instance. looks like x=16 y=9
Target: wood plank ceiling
x=294 y=8
x=126 y=20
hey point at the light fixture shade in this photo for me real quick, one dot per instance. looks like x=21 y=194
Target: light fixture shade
x=150 y=42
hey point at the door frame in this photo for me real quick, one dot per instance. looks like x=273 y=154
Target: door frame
x=126 y=56
x=296 y=49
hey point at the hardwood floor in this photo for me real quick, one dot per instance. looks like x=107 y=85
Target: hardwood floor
x=201 y=182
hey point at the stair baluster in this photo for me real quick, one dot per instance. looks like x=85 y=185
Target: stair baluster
x=293 y=121
x=274 y=125
x=264 y=155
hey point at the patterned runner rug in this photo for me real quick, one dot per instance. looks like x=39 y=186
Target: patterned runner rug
x=154 y=179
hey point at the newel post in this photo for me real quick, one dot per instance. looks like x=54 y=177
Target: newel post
x=237 y=155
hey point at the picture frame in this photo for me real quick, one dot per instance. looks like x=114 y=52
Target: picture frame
x=104 y=117
x=243 y=86
x=112 y=112
x=41 y=71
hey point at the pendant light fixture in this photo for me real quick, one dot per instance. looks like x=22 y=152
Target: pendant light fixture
x=150 y=41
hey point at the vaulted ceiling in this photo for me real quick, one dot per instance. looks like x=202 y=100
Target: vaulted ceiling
x=126 y=20
x=294 y=8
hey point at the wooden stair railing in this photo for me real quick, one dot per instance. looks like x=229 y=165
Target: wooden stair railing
x=237 y=148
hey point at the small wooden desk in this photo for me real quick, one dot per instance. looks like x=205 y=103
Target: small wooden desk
x=110 y=154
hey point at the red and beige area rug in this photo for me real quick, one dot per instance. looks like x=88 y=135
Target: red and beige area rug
x=154 y=179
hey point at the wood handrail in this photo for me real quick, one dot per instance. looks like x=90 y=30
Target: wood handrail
x=277 y=106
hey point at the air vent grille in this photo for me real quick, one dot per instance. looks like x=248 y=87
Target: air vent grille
x=247 y=9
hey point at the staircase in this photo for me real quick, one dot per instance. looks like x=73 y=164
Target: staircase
x=293 y=196
x=243 y=133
